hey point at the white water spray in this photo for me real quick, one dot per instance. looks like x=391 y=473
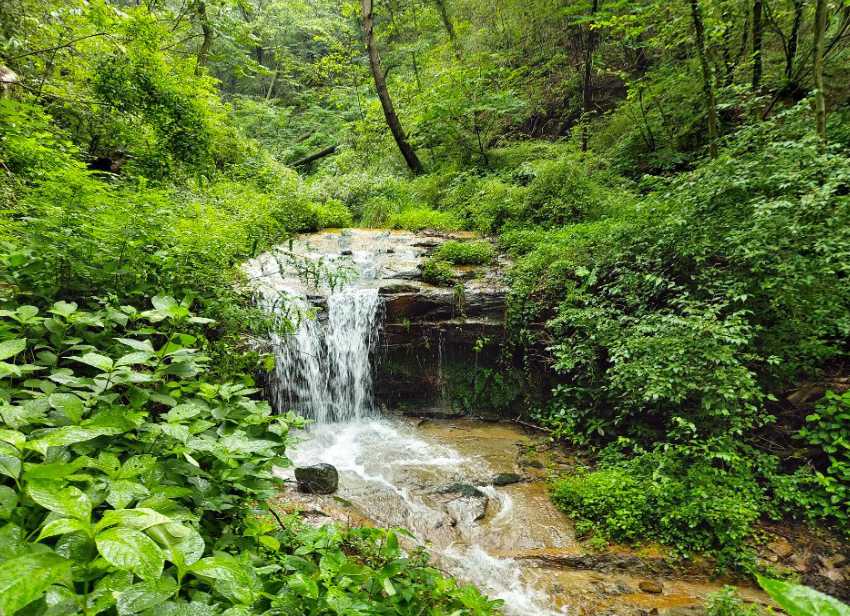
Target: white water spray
x=323 y=370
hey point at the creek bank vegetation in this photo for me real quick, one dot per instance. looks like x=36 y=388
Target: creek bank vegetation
x=670 y=179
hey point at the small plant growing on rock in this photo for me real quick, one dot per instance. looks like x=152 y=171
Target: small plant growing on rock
x=438 y=272
x=465 y=253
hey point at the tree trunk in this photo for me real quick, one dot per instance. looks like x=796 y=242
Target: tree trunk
x=707 y=82
x=447 y=21
x=820 y=101
x=383 y=94
x=206 y=42
x=758 y=63
x=315 y=156
x=587 y=84
x=793 y=40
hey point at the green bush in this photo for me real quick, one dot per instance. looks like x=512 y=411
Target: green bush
x=567 y=191
x=419 y=218
x=828 y=431
x=727 y=602
x=333 y=214
x=681 y=498
x=438 y=272
x=465 y=253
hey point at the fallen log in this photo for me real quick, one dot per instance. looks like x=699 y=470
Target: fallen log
x=315 y=156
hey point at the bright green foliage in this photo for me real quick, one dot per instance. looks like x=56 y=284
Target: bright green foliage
x=679 y=497
x=798 y=600
x=333 y=213
x=828 y=430
x=726 y=602
x=439 y=272
x=465 y=253
x=127 y=476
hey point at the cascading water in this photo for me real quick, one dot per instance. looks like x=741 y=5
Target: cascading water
x=323 y=370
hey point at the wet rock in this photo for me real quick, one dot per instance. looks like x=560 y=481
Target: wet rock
x=317 y=479
x=346 y=253
x=651 y=586
x=505 y=479
x=465 y=510
x=781 y=547
x=395 y=288
x=463 y=489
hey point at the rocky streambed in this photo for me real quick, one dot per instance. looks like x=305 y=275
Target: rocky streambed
x=475 y=493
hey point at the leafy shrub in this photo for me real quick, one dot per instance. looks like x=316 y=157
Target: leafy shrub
x=332 y=214
x=828 y=430
x=438 y=272
x=129 y=481
x=419 y=218
x=726 y=602
x=680 y=497
x=565 y=191
x=465 y=253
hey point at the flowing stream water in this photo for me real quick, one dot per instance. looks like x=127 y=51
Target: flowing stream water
x=433 y=478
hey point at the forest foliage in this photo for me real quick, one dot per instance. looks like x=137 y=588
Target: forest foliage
x=671 y=181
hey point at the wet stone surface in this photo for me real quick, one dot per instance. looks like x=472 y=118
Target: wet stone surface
x=436 y=478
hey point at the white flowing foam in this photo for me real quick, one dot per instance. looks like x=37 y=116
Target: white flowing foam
x=323 y=370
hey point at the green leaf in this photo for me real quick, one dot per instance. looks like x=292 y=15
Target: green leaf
x=10 y=348
x=800 y=600
x=123 y=491
x=10 y=464
x=131 y=550
x=140 y=345
x=388 y=587
x=101 y=362
x=130 y=359
x=139 y=518
x=64 y=309
x=8 y=502
x=67 y=501
x=69 y=405
x=26 y=578
x=236 y=579
x=62 y=526
x=145 y=595
x=71 y=435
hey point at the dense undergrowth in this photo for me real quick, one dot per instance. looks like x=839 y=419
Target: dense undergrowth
x=663 y=301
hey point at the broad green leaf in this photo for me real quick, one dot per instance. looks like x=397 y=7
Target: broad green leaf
x=68 y=404
x=26 y=578
x=131 y=550
x=8 y=502
x=139 y=345
x=67 y=501
x=10 y=348
x=131 y=359
x=64 y=309
x=123 y=491
x=139 y=518
x=10 y=464
x=62 y=526
x=145 y=595
x=183 y=545
x=13 y=437
x=70 y=435
x=101 y=362
x=236 y=579
x=800 y=600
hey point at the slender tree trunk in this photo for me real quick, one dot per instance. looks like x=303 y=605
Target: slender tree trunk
x=793 y=40
x=587 y=83
x=383 y=94
x=707 y=82
x=758 y=36
x=820 y=100
x=206 y=41
x=447 y=21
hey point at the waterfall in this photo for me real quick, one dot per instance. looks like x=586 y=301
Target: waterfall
x=323 y=370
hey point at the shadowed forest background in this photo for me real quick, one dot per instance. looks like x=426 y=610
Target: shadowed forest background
x=671 y=181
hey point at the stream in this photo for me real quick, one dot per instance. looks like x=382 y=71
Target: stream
x=474 y=493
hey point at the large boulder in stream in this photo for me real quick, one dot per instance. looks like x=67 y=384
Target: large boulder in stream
x=317 y=479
